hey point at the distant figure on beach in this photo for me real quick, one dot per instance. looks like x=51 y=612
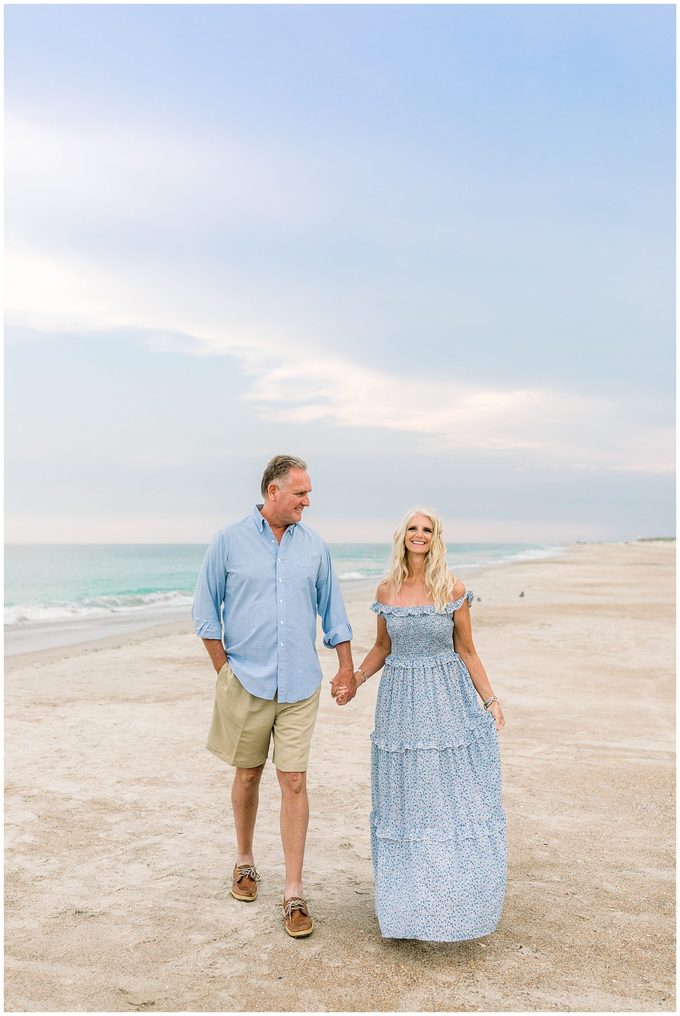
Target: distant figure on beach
x=437 y=823
x=266 y=578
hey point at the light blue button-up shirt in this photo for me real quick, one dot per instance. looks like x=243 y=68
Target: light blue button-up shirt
x=261 y=598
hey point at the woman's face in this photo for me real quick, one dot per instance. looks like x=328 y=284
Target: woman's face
x=419 y=533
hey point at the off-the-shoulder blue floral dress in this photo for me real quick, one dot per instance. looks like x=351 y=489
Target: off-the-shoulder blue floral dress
x=437 y=823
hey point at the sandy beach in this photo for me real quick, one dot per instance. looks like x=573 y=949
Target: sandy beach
x=119 y=842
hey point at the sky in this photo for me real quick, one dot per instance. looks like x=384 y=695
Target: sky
x=430 y=249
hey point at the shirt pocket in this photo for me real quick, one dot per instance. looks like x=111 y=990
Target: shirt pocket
x=302 y=574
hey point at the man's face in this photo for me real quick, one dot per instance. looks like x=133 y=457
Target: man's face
x=292 y=497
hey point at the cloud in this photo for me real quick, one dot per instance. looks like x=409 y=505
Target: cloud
x=557 y=427
x=290 y=382
x=89 y=247
x=106 y=175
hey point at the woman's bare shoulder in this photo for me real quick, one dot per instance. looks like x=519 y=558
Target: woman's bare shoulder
x=457 y=589
x=382 y=593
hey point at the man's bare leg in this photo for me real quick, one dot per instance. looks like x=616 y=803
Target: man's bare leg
x=245 y=797
x=294 y=820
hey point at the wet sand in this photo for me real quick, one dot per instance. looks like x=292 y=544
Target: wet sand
x=119 y=841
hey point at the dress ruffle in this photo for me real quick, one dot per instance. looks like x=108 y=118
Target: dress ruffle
x=398 y=834
x=460 y=887
x=450 y=607
x=428 y=704
x=463 y=739
x=460 y=786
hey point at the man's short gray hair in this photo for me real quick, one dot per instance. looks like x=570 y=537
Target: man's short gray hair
x=277 y=468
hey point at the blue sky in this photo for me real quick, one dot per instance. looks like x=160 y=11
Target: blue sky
x=430 y=249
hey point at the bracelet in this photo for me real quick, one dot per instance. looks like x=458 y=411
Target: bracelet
x=365 y=676
x=489 y=701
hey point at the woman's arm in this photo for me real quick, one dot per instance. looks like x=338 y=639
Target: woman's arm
x=465 y=647
x=375 y=657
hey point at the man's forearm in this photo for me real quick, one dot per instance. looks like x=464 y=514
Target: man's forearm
x=216 y=653
x=344 y=651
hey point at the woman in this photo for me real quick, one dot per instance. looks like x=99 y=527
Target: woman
x=437 y=822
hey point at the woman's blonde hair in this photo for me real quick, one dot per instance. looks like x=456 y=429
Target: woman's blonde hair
x=438 y=578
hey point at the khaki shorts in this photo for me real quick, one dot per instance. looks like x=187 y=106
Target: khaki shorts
x=242 y=726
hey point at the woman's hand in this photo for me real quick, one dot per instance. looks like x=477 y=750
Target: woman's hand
x=497 y=713
x=341 y=696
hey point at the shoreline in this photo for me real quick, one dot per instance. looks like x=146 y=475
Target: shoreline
x=68 y=637
x=52 y=654
x=139 y=629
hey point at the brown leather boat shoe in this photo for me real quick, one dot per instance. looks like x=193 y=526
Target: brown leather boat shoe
x=296 y=919
x=244 y=883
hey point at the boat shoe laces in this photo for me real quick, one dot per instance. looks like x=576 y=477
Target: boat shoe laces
x=246 y=871
x=295 y=904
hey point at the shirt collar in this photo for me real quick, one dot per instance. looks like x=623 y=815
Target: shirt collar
x=260 y=521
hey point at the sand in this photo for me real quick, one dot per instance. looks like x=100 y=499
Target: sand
x=119 y=836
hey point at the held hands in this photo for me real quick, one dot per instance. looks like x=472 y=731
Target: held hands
x=343 y=687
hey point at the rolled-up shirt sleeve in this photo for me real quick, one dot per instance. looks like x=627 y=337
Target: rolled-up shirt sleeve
x=210 y=591
x=330 y=604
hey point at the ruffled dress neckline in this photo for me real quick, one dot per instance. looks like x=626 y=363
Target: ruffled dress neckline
x=422 y=608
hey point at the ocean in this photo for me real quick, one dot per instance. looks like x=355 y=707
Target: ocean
x=62 y=594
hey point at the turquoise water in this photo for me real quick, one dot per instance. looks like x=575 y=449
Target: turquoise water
x=52 y=584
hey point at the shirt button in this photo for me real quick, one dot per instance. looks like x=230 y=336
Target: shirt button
x=282 y=622
x=281 y=644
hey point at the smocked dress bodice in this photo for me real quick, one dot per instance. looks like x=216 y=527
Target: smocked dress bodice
x=420 y=632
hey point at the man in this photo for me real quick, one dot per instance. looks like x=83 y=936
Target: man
x=264 y=579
